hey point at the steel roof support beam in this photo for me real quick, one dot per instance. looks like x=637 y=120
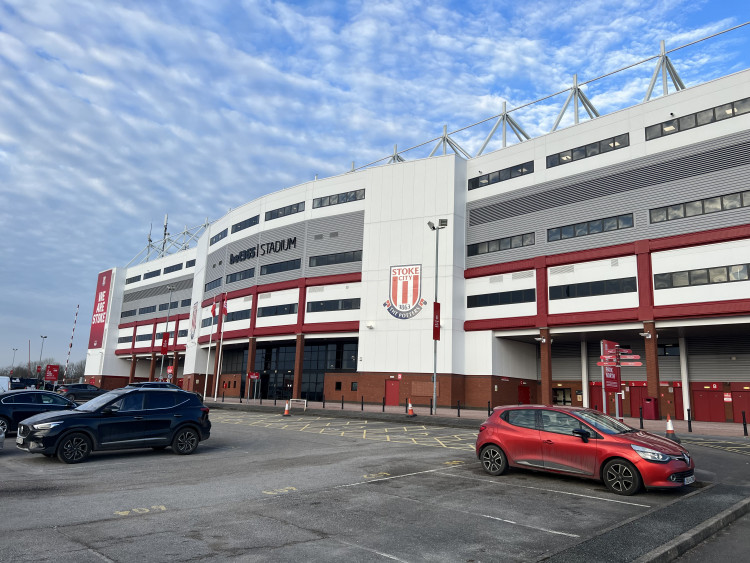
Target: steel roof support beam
x=446 y=142
x=666 y=67
x=578 y=96
x=507 y=121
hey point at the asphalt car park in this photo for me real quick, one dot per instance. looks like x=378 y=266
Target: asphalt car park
x=268 y=488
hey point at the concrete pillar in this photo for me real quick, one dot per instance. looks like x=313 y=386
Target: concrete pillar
x=545 y=346
x=133 y=362
x=652 y=362
x=684 y=377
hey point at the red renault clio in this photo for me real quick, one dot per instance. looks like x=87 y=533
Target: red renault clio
x=581 y=442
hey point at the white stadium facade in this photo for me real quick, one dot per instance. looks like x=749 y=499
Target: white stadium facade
x=632 y=227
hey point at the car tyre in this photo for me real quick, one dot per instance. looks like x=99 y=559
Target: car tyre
x=4 y=425
x=494 y=460
x=71 y=397
x=185 y=441
x=74 y=448
x=621 y=477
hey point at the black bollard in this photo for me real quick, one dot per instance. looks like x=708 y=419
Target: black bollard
x=459 y=409
x=222 y=397
x=640 y=410
x=489 y=411
x=690 y=422
x=362 y=399
x=324 y=401
x=383 y=404
x=744 y=423
x=342 y=402
x=240 y=399
x=431 y=410
x=261 y=399
x=406 y=407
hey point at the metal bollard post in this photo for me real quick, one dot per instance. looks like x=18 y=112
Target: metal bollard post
x=261 y=399
x=362 y=399
x=459 y=409
x=342 y=402
x=489 y=411
x=383 y=404
x=240 y=398
x=431 y=409
x=690 y=421
x=744 y=423
x=640 y=411
x=406 y=407
x=324 y=401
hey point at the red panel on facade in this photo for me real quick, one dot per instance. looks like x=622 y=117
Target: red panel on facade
x=708 y=405
x=741 y=402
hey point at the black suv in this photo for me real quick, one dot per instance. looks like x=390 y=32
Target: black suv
x=18 y=405
x=120 y=419
x=77 y=391
x=159 y=385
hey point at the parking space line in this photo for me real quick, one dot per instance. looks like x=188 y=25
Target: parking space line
x=546 y=490
x=386 y=555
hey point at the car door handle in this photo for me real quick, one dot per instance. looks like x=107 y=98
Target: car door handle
x=178 y=416
x=548 y=442
x=138 y=417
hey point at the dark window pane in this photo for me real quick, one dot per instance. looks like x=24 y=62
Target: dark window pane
x=565 y=157
x=505 y=174
x=555 y=292
x=473 y=184
x=704 y=117
x=698 y=277
x=610 y=223
x=731 y=201
x=493 y=245
x=606 y=145
x=694 y=208
x=582 y=229
x=484 y=180
x=658 y=215
x=742 y=106
x=528 y=239
x=717 y=275
x=687 y=122
x=675 y=211
x=711 y=204
x=516 y=241
x=494 y=177
x=724 y=112
x=746 y=199
x=579 y=153
x=516 y=171
x=680 y=279
x=583 y=290
x=598 y=287
x=653 y=132
x=553 y=234
x=553 y=160
x=662 y=281
x=622 y=141
x=669 y=127
x=504 y=243
x=567 y=232
x=738 y=273
x=595 y=227
x=625 y=221
x=592 y=149
x=482 y=248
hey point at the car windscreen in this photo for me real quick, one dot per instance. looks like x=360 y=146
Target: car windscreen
x=603 y=423
x=97 y=402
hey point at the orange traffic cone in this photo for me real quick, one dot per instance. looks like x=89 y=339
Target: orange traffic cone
x=670 y=430
x=286 y=409
x=411 y=409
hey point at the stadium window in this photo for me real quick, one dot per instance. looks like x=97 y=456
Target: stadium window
x=501 y=175
x=216 y=238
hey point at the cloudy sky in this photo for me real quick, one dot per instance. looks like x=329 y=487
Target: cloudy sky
x=113 y=113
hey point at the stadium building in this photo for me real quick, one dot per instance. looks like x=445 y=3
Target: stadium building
x=632 y=227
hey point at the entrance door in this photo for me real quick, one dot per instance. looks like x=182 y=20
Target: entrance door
x=524 y=395
x=636 y=400
x=741 y=402
x=709 y=406
x=392 y=392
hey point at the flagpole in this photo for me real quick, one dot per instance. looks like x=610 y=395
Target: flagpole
x=208 y=356
x=220 y=349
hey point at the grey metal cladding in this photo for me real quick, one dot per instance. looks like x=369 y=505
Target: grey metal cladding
x=704 y=354
x=216 y=263
x=156 y=295
x=678 y=164
x=700 y=184
x=159 y=289
x=295 y=230
x=348 y=235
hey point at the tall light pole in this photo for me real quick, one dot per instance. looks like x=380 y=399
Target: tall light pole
x=166 y=329
x=40 y=351
x=13 y=363
x=442 y=223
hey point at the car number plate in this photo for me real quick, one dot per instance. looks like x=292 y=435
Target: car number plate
x=690 y=479
x=19 y=440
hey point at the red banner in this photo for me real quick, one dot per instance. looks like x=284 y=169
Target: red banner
x=99 y=318
x=165 y=342
x=52 y=373
x=611 y=373
x=436 y=322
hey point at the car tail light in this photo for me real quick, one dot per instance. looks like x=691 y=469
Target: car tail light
x=482 y=428
x=205 y=409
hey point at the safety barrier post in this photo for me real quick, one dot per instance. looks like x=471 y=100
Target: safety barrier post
x=744 y=423
x=362 y=398
x=640 y=411
x=489 y=412
x=459 y=409
x=222 y=397
x=690 y=422
x=342 y=402
x=406 y=407
x=383 y=404
x=431 y=409
x=324 y=401
x=261 y=399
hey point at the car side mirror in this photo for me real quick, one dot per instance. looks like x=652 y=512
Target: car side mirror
x=110 y=409
x=583 y=434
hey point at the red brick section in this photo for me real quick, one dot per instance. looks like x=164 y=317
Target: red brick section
x=133 y=362
x=546 y=365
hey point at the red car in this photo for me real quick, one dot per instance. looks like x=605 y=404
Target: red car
x=581 y=442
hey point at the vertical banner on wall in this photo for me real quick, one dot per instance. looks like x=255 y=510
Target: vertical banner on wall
x=99 y=318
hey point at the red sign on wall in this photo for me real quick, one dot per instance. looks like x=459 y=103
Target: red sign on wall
x=99 y=318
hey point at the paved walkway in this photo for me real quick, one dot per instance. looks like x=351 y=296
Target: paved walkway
x=468 y=417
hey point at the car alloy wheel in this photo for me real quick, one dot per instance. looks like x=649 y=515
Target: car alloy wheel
x=3 y=425
x=621 y=477
x=72 y=397
x=494 y=460
x=185 y=441
x=74 y=448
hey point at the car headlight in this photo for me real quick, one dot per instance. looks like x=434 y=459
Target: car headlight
x=650 y=455
x=45 y=425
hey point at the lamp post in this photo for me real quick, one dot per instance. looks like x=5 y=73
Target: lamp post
x=40 y=352
x=442 y=223
x=166 y=329
x=13 y=363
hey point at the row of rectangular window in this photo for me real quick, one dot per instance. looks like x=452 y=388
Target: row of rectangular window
x=333 y=305
x=337 y=199
x=700 y=207
x=247 y=223
x=209 y=321
x=336 y=258
x=276 y=310
x=133 y=279
x=217 y=237
x=174 y=268
x=593 y=288
x=130 y=313
x=697 y=119
x=165 y=306
x=278 y=267
x=147 y=310
x=124 y=339
x=167 y=270
x=149 y=275
x=591 y=227
x=506 y=243
x=213 y=284
x=237 y=315
x=702 y=276
x=586 y=151
x=284 y=211
x=501 y=175
x=239 y=276
x=501 y=298
x=143 y=337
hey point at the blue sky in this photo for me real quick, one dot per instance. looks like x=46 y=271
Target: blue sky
x=115 y=113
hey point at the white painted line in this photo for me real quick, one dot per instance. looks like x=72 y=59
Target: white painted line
x=391 y=478
x=547 y=490
x=518 y=524
x=386 y=555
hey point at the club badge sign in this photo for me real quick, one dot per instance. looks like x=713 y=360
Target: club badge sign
x=405 y=299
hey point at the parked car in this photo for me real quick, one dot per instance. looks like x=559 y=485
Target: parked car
x=159 y=385
x=18 y=405
x=120 y=419
x=80 y=391
x=581 y=442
